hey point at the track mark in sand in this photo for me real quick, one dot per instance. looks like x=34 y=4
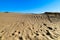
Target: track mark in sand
x=49 y=18
x=18 y=32
x=0 y=37
x=13 y=34
x=50 y=28
x=20 y=38
x=45 y=24
x=48 y=33
x=2 y=31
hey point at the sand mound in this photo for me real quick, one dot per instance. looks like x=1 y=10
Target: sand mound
x=29 y=26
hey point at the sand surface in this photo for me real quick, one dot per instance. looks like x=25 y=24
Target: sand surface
x=29 y=26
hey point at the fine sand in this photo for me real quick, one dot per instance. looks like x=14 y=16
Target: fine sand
x=15 y=26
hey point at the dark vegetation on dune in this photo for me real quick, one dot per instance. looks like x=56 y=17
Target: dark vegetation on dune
x=6 y=12
x=52 y=13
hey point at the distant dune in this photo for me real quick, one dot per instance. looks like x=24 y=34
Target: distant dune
x=44 y=26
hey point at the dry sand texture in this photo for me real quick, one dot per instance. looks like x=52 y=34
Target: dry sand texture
x=29 y=26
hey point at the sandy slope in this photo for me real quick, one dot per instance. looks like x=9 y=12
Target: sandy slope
x=29 y=26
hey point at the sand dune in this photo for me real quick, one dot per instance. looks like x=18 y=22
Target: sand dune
x=44 y=26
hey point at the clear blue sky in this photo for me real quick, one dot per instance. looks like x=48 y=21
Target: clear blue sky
x=30 y=6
